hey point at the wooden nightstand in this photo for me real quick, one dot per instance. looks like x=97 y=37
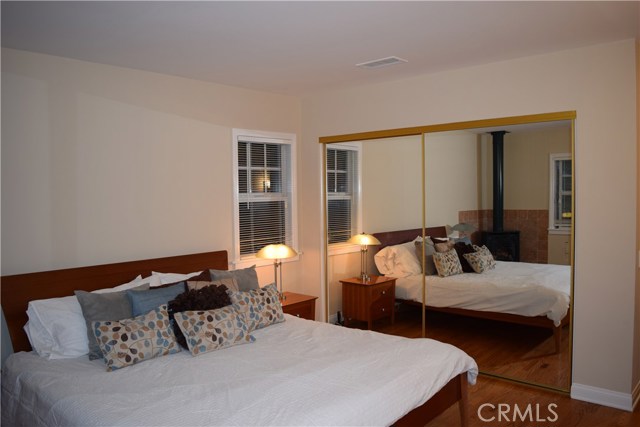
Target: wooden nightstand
x=368 y=301
x=300 y=305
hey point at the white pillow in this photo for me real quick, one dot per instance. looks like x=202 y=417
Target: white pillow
x=171 y=277
x=56 y=326
x=398 y=260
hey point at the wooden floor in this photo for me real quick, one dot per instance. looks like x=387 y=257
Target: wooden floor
x=522 y=351
x=506 y=349
x=568 y=412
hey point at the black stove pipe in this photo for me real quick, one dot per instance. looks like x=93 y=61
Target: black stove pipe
x=498 y=180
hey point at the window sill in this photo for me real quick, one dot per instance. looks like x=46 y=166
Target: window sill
x=259 y=262
x=343 y=248
x=561 y=231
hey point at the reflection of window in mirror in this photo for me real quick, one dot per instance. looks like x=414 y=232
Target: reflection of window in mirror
x=343 y=198
x=560 y=214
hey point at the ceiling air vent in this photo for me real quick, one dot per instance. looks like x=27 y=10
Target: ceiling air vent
x=391 y=60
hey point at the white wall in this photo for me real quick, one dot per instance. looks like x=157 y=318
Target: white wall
x=103 y=164
x=598 y=82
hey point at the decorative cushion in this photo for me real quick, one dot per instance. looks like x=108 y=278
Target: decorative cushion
x=462 y=249
x=480 y=262
x=109 y=306
x=482 y=249
x=246 y=278
x=57 y=328
x=144 y=301
x=447 y=263
x=206 y=298
x=230 y=282
x=130 y=341
x=210 y=330
x=430 y=249
x=260 y=306
x=443 y=246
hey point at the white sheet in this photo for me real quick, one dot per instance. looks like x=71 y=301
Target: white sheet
x=512 y=287
x=296 y=373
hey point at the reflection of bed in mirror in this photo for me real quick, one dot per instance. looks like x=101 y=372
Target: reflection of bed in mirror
x=514 y=292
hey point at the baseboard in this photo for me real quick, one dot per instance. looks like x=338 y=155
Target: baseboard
x=602 y=396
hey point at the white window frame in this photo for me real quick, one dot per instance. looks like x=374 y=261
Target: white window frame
x=553 y=206
x=346 y=248
x=289 y=139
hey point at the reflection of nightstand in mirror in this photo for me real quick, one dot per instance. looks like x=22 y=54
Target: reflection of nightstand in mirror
x=368 y=301
x=300 y=305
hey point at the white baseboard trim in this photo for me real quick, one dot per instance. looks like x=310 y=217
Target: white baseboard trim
x=602 y=396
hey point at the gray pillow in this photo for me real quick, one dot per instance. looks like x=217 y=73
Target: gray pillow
x=107 y=306
x=429 y=265
x=143 y=301
x=247 y=278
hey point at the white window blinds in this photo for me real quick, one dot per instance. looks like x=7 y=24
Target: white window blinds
x=264 y=193
x=342 y=188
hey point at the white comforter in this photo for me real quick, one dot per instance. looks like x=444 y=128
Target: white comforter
x=296 y=373
x=512 y=287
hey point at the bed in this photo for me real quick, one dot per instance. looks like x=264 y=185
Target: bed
x=297 y=372
x=523 y=293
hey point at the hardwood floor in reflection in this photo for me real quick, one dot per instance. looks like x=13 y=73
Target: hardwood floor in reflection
x=515 y=351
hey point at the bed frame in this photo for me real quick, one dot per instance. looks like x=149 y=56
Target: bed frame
x=397 y=237
x=18 y=290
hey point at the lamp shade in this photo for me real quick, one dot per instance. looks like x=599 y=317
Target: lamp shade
x=279 y=251
x=363 y=240
x=464 y=227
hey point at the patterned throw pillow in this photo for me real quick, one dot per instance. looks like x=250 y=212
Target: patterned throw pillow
x=260 y=306
x=447 y=263
x=479 y=261
x=485 y=251
x=211 y=330
x=130 y=341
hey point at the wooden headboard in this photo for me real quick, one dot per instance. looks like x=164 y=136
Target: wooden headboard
x=19 y=289
x=389 y=238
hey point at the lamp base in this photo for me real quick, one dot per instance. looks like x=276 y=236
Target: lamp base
x=364 y=277
x=282 y=296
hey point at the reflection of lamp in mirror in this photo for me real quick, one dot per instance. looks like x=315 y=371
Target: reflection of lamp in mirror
x=276 y=253
x=464 y=229
x=364 y=240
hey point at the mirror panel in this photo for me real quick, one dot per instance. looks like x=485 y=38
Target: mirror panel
x=521 y=352
x=455 y=185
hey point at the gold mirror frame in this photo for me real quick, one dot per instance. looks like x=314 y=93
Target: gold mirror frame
x=446 y=127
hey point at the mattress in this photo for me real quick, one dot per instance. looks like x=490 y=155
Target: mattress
x=298 y=372
x=511 y=287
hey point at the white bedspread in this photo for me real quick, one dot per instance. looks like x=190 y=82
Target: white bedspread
x=296 y=373
x=512 y=287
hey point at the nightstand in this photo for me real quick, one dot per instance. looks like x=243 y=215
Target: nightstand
x=300 y=305
x=368 y=301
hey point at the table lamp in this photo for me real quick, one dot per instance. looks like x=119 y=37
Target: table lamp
x=364 y=240
x=277 y=253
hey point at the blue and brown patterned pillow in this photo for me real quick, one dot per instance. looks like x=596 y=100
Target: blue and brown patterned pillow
x=130 y=341
x=260 y=306
x=210 y=330
x=486 y=252
x=447 y=263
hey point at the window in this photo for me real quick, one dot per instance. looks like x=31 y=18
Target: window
x=560 y=193
x=264 y=191
x=343 y=183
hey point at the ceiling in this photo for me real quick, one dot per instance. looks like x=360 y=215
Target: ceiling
x=304 y=47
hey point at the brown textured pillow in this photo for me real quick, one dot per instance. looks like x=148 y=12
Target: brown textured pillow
x=230 y=282
x=206 y=298
x=461 y=249
x=443 y=247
